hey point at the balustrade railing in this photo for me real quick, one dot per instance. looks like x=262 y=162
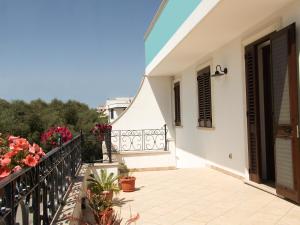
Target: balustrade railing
x=139 y=140
x=33 y=195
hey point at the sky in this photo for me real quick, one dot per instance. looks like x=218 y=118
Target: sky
x=85 y=50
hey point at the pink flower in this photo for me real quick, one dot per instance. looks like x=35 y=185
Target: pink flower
x=34 y=148
x=5 y=161
x=40 y=152
x=31 y=149
x=18 y=144
x=30 y=161
x=16 y=169
x=37 y=157
x=12 y=138
x=4 y=171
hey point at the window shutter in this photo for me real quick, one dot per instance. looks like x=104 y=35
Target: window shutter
x=252 y=115
x=177 y=104
x=204 y=98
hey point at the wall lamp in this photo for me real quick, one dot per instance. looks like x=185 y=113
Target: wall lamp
x=220 y=71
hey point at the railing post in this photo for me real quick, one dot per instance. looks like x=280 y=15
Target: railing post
x=36 y=197
x=108 y=144
x=166 y=143
x=9 y=191
x=81 y=145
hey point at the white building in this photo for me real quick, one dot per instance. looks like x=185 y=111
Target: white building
x=245 y=121
x=113 y=108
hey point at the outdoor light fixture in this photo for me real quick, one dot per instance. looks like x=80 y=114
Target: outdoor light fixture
x=220 y=71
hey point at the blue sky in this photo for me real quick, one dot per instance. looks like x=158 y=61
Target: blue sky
x=87 y=50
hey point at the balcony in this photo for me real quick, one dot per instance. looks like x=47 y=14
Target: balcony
x=55 y=190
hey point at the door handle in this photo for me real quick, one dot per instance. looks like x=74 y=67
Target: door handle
x=288 y=130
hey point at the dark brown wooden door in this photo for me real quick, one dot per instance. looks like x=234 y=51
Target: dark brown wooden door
x=285 y=112
x=252 y=113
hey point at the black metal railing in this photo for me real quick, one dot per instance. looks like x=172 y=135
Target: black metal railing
x=33 y=195
x=96 y=150
x=139 y=140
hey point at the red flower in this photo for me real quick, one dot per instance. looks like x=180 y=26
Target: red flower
x=4 y=171
x=53 y=134
x=100 y=129
x=30 y=161
x=5 y=161
x=10 y=154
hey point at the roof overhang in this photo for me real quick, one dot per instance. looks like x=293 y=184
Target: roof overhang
x=213 y=24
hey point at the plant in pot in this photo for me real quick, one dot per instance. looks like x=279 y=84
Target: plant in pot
x=126 y=181
x=104 y=184
x=102 y=208
x=17 y=153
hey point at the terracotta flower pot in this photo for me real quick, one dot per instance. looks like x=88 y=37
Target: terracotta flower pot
x=128 y=184
x=104 y=216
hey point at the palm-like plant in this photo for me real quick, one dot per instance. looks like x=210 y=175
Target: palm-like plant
x=103 y=183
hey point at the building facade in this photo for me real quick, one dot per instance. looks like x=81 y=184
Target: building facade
x=113 y=108
x=223 y=75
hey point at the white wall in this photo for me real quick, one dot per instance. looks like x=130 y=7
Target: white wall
x=197 y=145
x=201 y=146
x=150 y=109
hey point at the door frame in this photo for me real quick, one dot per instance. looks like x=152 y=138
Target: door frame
x=293 y=82
x=255 y=178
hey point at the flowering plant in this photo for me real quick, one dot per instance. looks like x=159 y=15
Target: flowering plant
x=100 y=129
x=54 y=135
x=16 y=153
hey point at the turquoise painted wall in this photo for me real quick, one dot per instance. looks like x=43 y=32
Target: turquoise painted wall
x=170 y=19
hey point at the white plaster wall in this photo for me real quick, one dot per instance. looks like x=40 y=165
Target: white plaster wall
x=150 y=109
x=118 y=111
x=154 y=159
x=196 y=147
x=291 y=15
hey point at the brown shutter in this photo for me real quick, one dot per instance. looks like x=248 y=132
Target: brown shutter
x=252 y=113
x=286 y=134
x=204 y=98
x=177 y=104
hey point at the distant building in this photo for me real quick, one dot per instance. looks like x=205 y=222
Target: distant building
x=114 y=107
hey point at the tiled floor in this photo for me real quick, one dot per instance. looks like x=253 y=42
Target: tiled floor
x=203 y=196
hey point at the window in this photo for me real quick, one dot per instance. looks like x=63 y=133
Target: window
x=204 y=98
x=112 y=113
x=177 y=104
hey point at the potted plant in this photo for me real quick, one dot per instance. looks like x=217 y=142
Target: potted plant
x=104 y=185
x=17 y=153
x=55 y=136
x=126 y=181
x=100 y=205
x=123 y=170
x=100 y=131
